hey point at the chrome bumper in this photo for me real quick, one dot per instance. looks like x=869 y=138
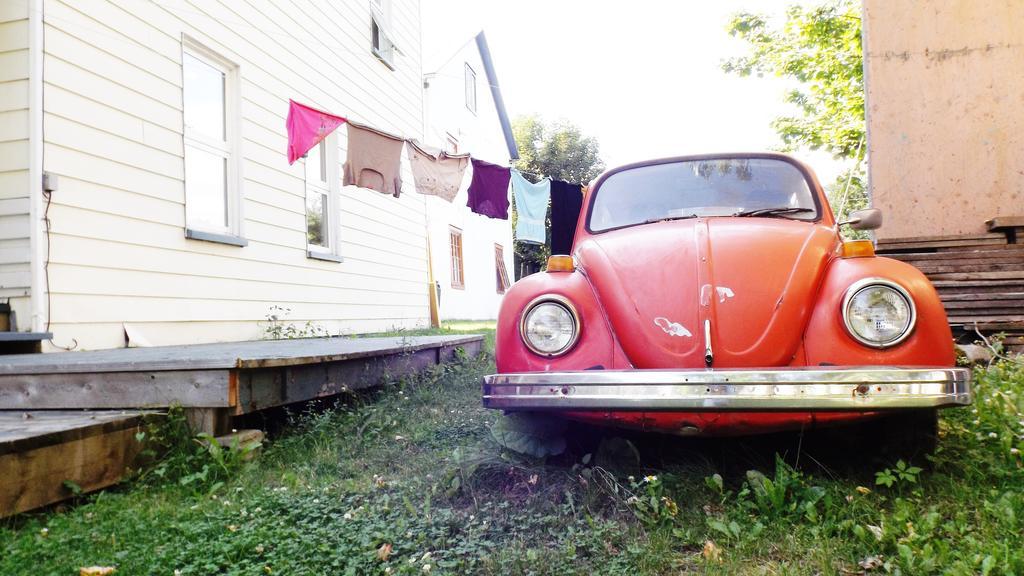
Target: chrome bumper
x=850 y=388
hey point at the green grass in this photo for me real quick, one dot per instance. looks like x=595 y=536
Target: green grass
x=412 y=469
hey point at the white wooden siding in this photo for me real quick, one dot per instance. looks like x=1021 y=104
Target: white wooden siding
x=113 y=132
x=15 y=274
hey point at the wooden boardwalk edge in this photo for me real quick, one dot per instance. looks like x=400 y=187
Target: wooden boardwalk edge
x=48 y=444
x=230 y=388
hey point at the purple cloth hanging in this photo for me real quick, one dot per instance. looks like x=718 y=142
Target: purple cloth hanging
x=488 y=192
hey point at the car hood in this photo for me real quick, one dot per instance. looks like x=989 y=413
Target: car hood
x=752 y=281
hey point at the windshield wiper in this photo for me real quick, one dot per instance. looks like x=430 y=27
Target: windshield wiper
x=667 y=218
x=780 y=211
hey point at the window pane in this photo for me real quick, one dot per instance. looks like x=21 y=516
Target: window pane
x=206 y=190
x=316 y=164
x=458 y=278
x=700 y=188
x=204 y=98
x=317 y=219
x=470 y=88
x=501 y=275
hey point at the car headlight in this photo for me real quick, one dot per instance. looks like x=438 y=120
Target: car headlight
x=878 y=313
x=550 y=326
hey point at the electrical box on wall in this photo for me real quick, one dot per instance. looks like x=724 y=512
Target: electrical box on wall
x=50 y=182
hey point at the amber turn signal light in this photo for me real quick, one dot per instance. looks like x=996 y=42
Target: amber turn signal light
x=560 y=264
x=858 y=249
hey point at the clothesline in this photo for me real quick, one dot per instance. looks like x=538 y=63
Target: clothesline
x=374 y=160
x=542 y=176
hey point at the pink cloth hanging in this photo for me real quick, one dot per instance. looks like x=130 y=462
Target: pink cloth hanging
x=307 y=127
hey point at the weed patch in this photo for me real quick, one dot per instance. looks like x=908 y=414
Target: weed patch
x=408 y=479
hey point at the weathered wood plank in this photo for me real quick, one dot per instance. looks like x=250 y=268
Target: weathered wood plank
x=939 y=245
x=186 y=388
x=24 y=336
x=91 y=455
x=942 y=238
x=991 y=322
x=1001 y=275
x=21 y=430
x=988 y=247
x=1004 y=256
x=1001 y=223
x=982 y=313
x=224 y=355
x=982 y=296
x=965 y=267
x=1000 y=285
x=264 y=388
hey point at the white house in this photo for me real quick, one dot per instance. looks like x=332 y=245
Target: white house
x=471 y=255
x=170 y=213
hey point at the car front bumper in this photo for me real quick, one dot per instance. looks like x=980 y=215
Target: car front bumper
x=866 y=388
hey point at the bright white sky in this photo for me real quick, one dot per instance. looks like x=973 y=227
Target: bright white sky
x=644 y=76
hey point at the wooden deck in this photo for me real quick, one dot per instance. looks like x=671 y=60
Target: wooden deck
x=238 y=376
x=46 y=438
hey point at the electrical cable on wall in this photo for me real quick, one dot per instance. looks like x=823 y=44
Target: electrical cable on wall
x=48 y=196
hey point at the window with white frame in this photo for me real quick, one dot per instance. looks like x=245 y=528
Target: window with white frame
x=380 y=41
x=501 y=273
x=455 y=247
x=470 y=88
x=209 y=91
x=451 y=144
x=322 y=187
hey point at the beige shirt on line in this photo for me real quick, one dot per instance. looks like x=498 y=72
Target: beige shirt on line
x=435 y=172
x=374 y=160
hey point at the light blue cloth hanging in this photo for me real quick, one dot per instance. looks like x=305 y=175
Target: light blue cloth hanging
x=531 y=207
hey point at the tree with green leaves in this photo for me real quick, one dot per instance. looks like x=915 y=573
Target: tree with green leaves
x=558 y=150
x=819 y=48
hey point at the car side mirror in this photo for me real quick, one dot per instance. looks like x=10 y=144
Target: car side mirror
x=866 y=219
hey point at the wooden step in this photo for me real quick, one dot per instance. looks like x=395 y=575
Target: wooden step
x=978 y=286
x=1014 y=306
x=974 y=296
x=1015 y=255
x=980 y=236
x=970 y=276
x=42 y=451
x=948 y=267
x=1001 y=322
x=971 y=315
x=935 y=242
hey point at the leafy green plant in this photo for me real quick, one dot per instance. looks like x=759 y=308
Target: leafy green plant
x=899 y=475
x=278 y=329
x=784 y=495
x=650 y=502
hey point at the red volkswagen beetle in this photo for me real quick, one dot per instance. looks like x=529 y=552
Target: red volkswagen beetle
x=714 y=295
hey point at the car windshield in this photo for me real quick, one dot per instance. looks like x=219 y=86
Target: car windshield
x=756 y=187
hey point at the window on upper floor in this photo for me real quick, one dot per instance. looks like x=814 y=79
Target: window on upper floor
x=212 y=175
x=380 y=41
x=455 y=243
x=470 y=88
x=322 y=189
x=501 y=273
